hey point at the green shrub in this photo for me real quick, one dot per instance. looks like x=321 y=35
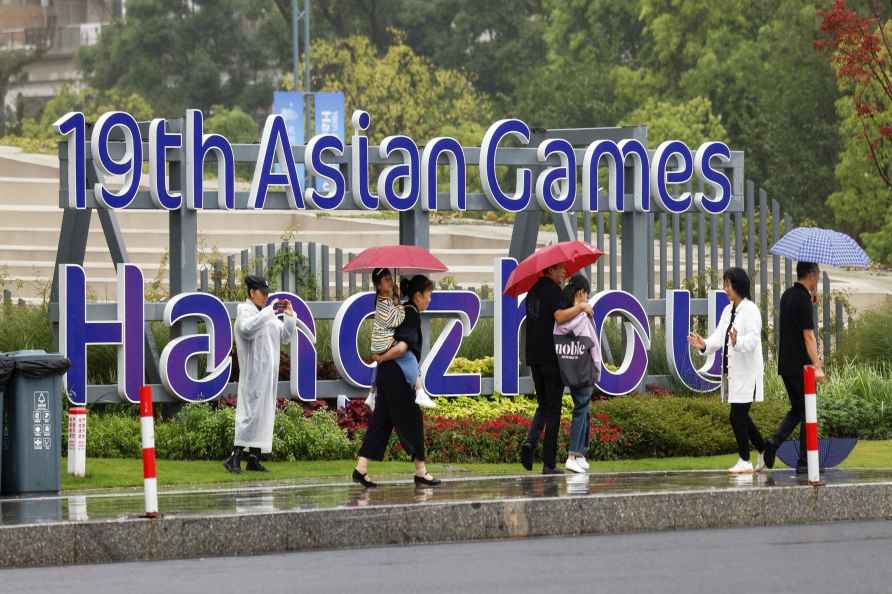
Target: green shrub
x=657 y=426
x=25 y=327
x=856 y=401
x=869 y=337
x=196 y=433
x=199 y=432
x=317 y=437
x=113 y=435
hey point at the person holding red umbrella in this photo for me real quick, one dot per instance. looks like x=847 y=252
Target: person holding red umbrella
x=541 y=276
x=543 y=307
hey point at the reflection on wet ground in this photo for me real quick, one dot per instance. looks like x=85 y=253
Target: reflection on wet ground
x=304 y=497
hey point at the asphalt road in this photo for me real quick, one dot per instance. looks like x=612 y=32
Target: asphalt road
x=832 y=558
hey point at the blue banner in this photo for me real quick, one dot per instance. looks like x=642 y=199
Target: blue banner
x=290 y=105
x=329 y=109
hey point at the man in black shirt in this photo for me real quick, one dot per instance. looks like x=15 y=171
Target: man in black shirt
x=798 y=348
x=543 y=309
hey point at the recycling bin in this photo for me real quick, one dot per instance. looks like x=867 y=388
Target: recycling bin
x=7 y=366
x=33 y=428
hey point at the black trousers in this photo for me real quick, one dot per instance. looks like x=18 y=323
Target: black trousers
x=549 y=392
x=745 y=431
x=796 y=415
x=395 y=408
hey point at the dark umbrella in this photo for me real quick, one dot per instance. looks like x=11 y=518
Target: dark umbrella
x=831 y=451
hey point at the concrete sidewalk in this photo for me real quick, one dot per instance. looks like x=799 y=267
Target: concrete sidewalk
x=106 y=527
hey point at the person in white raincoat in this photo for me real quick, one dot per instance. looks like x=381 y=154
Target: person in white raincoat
x=259 y=334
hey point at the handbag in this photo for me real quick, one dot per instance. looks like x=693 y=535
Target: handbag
x=575 y=360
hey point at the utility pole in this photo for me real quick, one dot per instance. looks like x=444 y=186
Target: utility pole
x=306 y=46
x=308 y=99
x=295 y=49
x=295 y=38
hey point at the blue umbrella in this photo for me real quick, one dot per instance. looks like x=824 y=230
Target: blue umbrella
x=822 y=246
x=831 y=451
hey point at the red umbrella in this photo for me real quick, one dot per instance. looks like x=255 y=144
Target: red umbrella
x=408 y=259
x=574 y=255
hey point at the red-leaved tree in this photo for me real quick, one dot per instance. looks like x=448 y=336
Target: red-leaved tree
x=859 y=48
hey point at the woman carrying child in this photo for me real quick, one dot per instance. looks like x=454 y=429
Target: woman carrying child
x=396 y=407
x=389 y=314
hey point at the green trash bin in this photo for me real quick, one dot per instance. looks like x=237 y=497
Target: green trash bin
x=7 y=366
x=33 y=428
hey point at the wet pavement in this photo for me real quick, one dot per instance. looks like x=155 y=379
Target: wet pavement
x=253 y=499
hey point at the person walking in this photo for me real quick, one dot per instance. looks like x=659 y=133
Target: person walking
x=798 y=347
x=544 y=309
x=580 y=368
x=389 y=314
x=395 y=406
x=739 y=335
x=259 y=334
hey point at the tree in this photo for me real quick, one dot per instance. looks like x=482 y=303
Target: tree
x=859 y=49
x=753 y=61
x=495 y=44
x=861 y=206
x=403 y=92
x=691 y=121
x=39 y=134
x=233 y=123
x=14 y=61
x=187 y=53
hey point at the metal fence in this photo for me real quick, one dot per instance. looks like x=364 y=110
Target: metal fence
x=295 y=264
x=687 y=251
x=690 y=251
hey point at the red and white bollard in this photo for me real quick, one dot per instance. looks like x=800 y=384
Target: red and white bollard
x=147 y=431
x=77 y=441
x=810 y=385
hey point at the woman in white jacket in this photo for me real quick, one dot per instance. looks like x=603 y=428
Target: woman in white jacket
x=739 y=335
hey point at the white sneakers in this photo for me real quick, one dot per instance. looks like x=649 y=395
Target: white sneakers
x=742 y=467
x=370 y=401
x=760 y=462
x=423 y=400
x=577 y=465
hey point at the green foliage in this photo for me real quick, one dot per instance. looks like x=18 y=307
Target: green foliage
x=608 y=59
x=234 y=124
x=38 y=135
x=691 y=121
x=869 y=337
x=113 y=435
x=199 y=432
x=179 y=54
x=25 y=327
x=402 y=90
x=856 y=401
x=862 y=206
x=317 y=437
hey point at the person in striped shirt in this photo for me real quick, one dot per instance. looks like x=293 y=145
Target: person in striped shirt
x=389 y=314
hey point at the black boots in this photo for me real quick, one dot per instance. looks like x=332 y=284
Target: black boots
x=254 y=461
x=526 y=455
x=234 y=462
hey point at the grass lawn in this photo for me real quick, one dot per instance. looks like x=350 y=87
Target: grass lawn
x=106 y=473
